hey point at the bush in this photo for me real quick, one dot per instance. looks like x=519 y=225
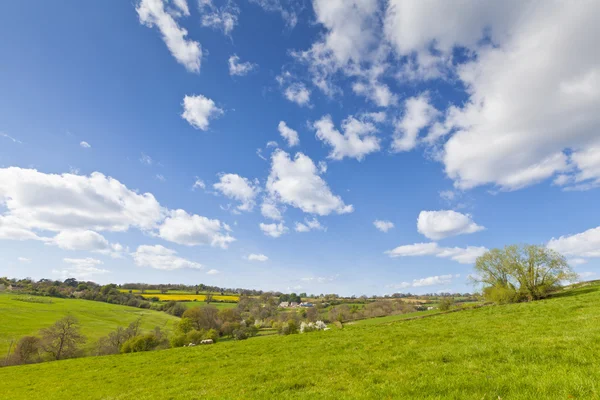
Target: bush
x=178 y=340
x=501 y=294
x=446 y=303
x=195 y=336
x=139 y=343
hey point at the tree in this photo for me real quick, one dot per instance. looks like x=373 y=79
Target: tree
x=521 y=272
x=208 y=298
x=27 y=351
x=446 y=303
x=203 y=317
x=61 y=340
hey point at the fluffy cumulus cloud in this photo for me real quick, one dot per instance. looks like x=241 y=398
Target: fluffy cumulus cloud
x=81 y=268
x=238 y=68
x=238 y=188
x=52 y=202
x=160 y=257
x=270 y=209
x=192 y=230
x=198 y=110
x=433 y=281
x=290 y=135
x=383 y=226
x=357 y=141
x=257 y=257
x=274 y=230
x=466 y=255
x=76 y=208
x=437 y=225
x=418 y=114
x=309 y=225
x=516 y=128
x=585 y=244
x=296 y=182
x=86 y=240
x=297 y=93
x=153 y=13
x=223 y=18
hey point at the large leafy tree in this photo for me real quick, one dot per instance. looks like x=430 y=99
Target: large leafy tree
x=521 y=272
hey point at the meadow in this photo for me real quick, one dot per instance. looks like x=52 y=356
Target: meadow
x=25 y=315
x=548 y=349
x=190 y=297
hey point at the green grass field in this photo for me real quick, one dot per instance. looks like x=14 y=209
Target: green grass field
x=190 y=304
x=20 y=318
x=548 y=349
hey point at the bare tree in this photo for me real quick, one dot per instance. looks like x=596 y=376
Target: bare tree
x=61 y=340
x=208 y=298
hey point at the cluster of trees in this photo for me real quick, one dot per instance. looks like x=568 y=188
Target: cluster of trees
x=521 y=273
x=59 y=341
x=200 y=288
x=292 y=297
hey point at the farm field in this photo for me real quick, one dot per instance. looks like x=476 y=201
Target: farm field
x=549 y=349
x=96 y=318
x=220 y=306
x=190 y=297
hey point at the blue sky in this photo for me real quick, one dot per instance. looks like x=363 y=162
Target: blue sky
x=137 y=141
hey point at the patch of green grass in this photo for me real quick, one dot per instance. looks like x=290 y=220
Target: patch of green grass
x=548 y=349
x=190 y=304
x=19 y=318
x=391 y=318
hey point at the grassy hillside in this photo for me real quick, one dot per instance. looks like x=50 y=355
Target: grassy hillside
x=20 y=318
x=544 y=350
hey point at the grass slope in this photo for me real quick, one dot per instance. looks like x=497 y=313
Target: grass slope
x=20 y=318
x=544 y=350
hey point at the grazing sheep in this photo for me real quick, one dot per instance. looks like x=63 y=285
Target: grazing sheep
x=207 y=341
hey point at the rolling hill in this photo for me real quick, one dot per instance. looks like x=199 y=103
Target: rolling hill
x=20 y=318
x=546 y=349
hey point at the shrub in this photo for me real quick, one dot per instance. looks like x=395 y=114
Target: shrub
x=212 y=334
x=139 y=343
x=179 y=340
x=446 y=303
x=195 y=336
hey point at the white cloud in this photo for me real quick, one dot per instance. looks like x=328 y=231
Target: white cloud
x=24 y=259
x=269 y=209
x=85 y=145
x=52 y=202
x=445 y=223
x=466 y=255
x=320 y=279
x=238 y=68
x=309 y=225
x=238 y=188
x=159 y=257
x=288 y=11
x=383 y=226
x=198 y=110
x=7 y=136
x=213 y=272
x=146 y=159
x=187 y=52
x=297 y=183
x=257 y=257
x=290 y=135
x=371 y=87
x=297 y=93
x=81 y=268
x=221 y=18
x=192 y=230
x=182 y=6
x=433 y=281
x=584 y=244
x=199 y=184
x=577 y=261
x=86 y=240
x=161 y=177
x=357 y=141
x=584 y=275
x=585 y=170
x=418 y=114
x=273 y=230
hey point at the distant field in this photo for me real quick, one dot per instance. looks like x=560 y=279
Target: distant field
x=391 y=318
x=20 y=318
x=190 y=297
x=547 y=349
x=203 y=304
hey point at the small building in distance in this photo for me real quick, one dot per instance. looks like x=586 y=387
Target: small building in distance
x=307 y=304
